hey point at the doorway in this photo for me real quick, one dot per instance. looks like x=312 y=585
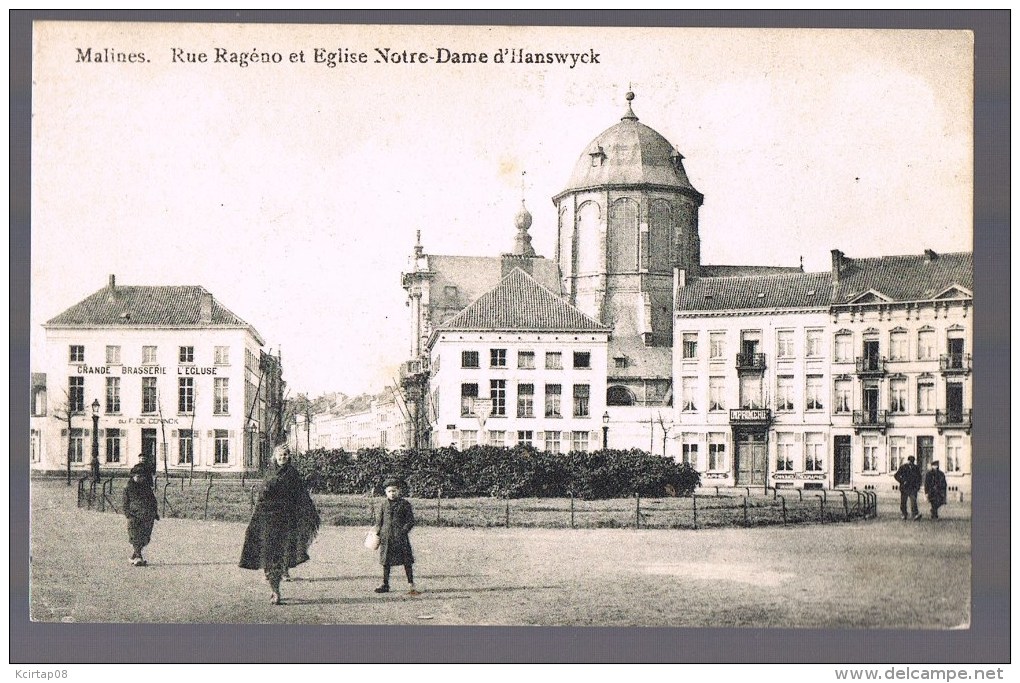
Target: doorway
x=149 y=445
x=841 y=460
x=750 y=459
x=871 y=354
x=954 y=402
x=925 y=451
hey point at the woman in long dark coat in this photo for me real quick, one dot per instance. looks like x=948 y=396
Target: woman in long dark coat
x=141 y=510
x=393 y=523
x=283 y=525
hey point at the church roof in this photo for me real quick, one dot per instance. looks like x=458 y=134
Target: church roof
x=520 y=303
x=149 y=306
x=630 y=154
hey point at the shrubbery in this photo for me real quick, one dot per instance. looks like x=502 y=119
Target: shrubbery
x=519 y=472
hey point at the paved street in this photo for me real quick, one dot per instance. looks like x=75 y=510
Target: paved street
x=844 y=575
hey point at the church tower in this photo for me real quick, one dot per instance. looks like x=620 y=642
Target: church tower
x=627 y=219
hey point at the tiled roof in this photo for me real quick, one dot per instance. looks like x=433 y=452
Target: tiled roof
x=787 y=290
x=905 y=278
x=164 y=306
x=737 y=271
x=518 y=302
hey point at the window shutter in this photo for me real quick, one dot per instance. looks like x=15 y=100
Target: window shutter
x=595 y=437
x=540 y=438
x=798 y=437
x=455 y=437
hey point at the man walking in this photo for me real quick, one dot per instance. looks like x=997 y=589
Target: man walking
x=935 y=488
x=909 y=478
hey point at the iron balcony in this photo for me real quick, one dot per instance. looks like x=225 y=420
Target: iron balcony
x=751 y=362
x=959 y=419
x=870 y=366
x=954 y=363
x=871 y=419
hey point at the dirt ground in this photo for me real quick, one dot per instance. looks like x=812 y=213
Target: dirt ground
x=852 y=575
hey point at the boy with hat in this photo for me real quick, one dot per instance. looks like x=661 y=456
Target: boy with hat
x=141 y=511
x=393 y=523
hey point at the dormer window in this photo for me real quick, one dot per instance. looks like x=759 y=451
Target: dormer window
x=598 y=156
x=677 y=159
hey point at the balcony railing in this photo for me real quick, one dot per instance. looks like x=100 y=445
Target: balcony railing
x=952 y=363
x=871 y=419
x=871 y=365
x=751 y=362
x=960 y=419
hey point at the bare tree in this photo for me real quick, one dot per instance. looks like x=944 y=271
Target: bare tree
x=64 y=413
x=666 y=427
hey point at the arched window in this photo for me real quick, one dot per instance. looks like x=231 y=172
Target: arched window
x=588 y=258
x=660 y=229
x=620 y=396
x=623 y=236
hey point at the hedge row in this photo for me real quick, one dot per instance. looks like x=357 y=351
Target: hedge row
x=519 y=472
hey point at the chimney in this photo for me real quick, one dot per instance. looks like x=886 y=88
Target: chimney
x=838 y=264
x=930 y=255
x=113 y=283
x=205 y=309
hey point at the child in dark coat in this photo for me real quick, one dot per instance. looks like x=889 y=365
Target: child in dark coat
x=393 y=523
x=141 y=511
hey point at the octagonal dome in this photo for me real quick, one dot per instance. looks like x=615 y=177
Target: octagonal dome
x=630 y=154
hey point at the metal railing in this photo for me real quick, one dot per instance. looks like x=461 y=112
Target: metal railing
x=953 y=418
x=871 y=418
x=870 y=365
x=954 y=362
x=751 y=361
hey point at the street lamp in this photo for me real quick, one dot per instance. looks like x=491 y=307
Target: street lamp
x=605 y=430
x=95 y=440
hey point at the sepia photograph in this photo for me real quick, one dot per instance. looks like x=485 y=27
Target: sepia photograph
x=433 y=326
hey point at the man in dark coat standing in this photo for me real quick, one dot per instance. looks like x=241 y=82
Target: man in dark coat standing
x=935 y=488
x=282 y=526
x=141 y=510
x=393 y=523
x=909 y=478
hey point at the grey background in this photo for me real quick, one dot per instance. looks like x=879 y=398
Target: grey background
x=987 y=641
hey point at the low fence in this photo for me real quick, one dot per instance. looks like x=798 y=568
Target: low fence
x=234 y=499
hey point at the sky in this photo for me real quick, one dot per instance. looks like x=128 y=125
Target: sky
x=292 y=190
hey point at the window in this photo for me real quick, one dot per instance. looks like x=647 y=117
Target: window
x=897 y=452
x=221 y=355
x=954 y=453
x=113 y=395
x=716 y=393
x=469 y=359
x=39 y=401
x=784 y=451
x=582 y=359
x=813 y=344
x=468 y=394
x=925 y=396
x=450 y=293
x=497 y=438
x=185 y=447
x=76 y=394
x=716 y=451
x=185 y=395
x=112 y=445
x=620 y=362
x=844 y=393
x=497 y=393
x=898 y=395
x=898 y=345
x=784 y=344
x=813 y=393
x=221 y=453
x=750 y=392
x=113 y=355
x=525 y=400
x=579 y=441
x=716 y=345
x=690 y=345
x=553 y=360
x=77 y=445
x=468 y=438
x=149 y=395
x=871 y=454
x=526 y=360
x=187 y=354
x=76 y=354
x=784 y=393
x=814 y=452
x=497 y=358
x=581 y=408
x=926 y=345
x=844 y=347
x=689 y=449
x=221 y=395
x=525 y=437
x=552 y=400
x=149 y=355
x=553 y=441
x=689 y=394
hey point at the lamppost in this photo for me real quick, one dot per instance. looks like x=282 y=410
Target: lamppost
x=95 y=440
x=605 y=430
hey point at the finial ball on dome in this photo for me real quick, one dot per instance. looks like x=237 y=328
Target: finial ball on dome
x=522 y=221
x=629 y=96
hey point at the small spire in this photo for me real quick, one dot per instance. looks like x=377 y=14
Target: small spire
x=629 y=115
x=417 y=244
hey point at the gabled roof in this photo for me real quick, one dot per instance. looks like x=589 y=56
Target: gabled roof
x=148 y=306
x=915 y=277
x=784 y=290
x=520 y=303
